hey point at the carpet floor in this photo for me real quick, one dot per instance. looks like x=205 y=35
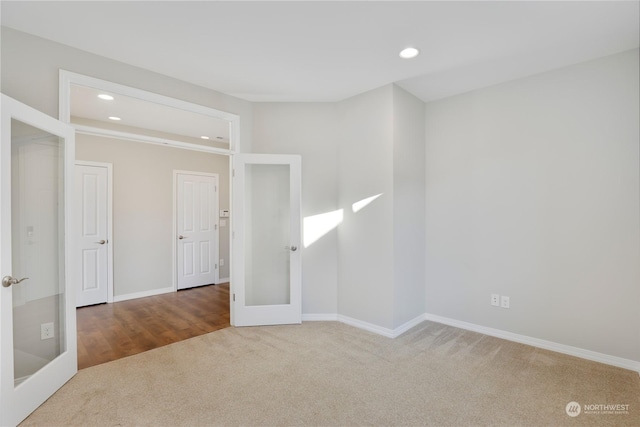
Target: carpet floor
x=331 y=374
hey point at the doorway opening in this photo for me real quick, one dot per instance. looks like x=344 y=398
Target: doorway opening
x=170 y=134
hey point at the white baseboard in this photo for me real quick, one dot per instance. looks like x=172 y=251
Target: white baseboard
x=410 y=324
x=509 y=336
x=222 y=280
x=389 y=333
x=366 y=326
x=536 y=342
x=143 y=294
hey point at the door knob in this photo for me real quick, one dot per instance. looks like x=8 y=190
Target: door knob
x=181 y=237
x=8 y=281
x=294 y=248
x=101 y=242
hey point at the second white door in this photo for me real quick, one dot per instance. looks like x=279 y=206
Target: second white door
x=197 y=229
x=93 y=267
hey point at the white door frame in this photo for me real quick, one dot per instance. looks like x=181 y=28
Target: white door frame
x=174 y=247
x=67 y=79
x=109 y=167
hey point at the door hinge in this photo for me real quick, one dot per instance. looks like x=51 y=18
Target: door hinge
x=234 y=297
x=216 y=266
x=233 y=172
x=216 y=227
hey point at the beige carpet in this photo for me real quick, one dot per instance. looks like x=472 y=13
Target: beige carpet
x=330 y=374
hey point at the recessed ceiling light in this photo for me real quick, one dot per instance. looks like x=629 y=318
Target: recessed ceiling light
x=204 y=137
x=105 y=97
x=408 y=53
x=114 y=118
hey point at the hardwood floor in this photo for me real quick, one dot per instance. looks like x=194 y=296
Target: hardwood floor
x=111 y=331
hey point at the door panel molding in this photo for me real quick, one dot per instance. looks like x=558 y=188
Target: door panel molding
x=192 y=251
x=109 y=223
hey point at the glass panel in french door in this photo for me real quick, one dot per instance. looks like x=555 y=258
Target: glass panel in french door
x=267 y=234
x=37 y=225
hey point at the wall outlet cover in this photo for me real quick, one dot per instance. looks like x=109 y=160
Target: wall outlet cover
x=504 y=302
x=46 y=331
x=495 y=300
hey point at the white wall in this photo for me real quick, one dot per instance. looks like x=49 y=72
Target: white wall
x=30 y=68
x=381 y=246
x=370 y=265
x=408 y=206
x=308 y=129
x=532 y=191
x=143 y=207
x=365 y=238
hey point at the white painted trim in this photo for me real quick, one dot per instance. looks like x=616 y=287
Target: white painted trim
x=109 y=167
x=389 y=333
x=174 y=233
x=408 y=325
x=509 y=336
x=143 y=294
x=319 y=317
x=67 y=78
x=386 y=332
x=536 y=342
x=133 y=137
x=232 y=235
x=222 y=280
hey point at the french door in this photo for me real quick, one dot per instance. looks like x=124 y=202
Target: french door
x=266 y=270
x=38 y=349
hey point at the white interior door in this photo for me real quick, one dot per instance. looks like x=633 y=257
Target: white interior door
x=266 y=262
x=38 y=349
x=93 y=214
x=197 y=229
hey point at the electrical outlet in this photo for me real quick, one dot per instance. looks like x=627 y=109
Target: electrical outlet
x=504 y=302
x=221 y=262
x=46 y=331
x=495 y=300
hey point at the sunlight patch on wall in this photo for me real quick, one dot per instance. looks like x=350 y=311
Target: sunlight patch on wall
x=317 y=226
x=364 y=202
